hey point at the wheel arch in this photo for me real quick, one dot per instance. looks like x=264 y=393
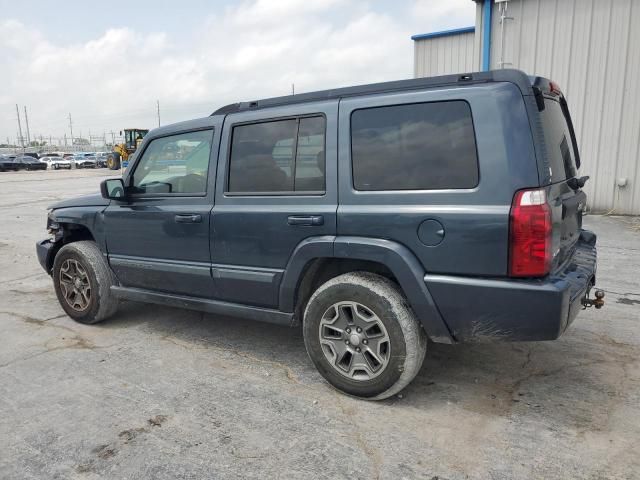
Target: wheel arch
x=317 y=259
x=76 y=224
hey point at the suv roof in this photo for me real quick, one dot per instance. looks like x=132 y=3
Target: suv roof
x=517 y=77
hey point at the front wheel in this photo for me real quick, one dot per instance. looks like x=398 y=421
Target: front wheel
x=82 y=281
x=362 y=336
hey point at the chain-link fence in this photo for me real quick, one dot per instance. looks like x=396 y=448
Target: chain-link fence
x=42 y=144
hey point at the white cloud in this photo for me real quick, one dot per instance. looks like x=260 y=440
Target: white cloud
x=249 y=50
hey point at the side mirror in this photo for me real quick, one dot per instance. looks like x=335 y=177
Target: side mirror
x=112 y=189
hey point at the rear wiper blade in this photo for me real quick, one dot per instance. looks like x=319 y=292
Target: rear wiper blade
x=577 y=183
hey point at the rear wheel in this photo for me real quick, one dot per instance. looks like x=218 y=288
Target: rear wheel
x=362 y=336
x=82 y=281
x=113 y=161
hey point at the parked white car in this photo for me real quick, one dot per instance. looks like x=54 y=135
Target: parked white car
x=83 y=161
x=56 y=163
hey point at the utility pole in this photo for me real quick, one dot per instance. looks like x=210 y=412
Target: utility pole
x=71 y=128
x=26 y=121
x=19 y=127
x=158 y=106
x=113 y=137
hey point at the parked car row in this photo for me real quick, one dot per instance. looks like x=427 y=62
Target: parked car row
x=54 y=161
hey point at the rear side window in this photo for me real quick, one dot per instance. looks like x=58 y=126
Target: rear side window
x=558 y=141
x=421 y=146
x=278 y=156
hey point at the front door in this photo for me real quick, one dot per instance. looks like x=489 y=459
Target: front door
x=158 y=237
x=276 y=187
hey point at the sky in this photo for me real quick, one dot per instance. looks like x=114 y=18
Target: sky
x=107 y=63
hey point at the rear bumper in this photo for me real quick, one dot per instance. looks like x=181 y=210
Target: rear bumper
x=480 y=309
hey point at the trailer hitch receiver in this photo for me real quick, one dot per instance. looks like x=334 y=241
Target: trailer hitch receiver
x=597 y=302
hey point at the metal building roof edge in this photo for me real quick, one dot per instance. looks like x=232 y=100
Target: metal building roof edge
x=443 y=33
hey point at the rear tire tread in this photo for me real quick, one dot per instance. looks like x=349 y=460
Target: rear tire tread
x=415 y=337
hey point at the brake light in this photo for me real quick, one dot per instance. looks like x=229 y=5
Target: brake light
x=530 y=234
x=554 y=88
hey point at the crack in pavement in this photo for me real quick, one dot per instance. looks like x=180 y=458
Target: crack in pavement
x=75 y=341
x=11 y=280
x=38 y=321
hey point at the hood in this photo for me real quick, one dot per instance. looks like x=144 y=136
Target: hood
x=93 y=200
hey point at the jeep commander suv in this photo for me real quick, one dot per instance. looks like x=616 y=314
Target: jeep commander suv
x=376 y=216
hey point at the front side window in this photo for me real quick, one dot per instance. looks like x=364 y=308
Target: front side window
x=278 y=156
x=177 y=164
x=421 y=146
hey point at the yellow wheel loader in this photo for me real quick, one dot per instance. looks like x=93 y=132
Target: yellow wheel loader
x=122 y=151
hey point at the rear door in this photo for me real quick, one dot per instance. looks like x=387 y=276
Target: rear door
x=567 y=203
x=276 y=187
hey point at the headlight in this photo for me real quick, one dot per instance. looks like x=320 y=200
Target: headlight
x=52 y=225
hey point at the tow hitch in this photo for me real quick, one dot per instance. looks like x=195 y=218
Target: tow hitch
x=597 y=302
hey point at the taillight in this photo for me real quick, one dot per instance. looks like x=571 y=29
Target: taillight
x=530 y=234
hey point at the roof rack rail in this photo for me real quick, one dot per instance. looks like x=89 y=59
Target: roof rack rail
x=514 y=76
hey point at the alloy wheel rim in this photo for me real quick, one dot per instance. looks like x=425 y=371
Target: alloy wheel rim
x=354 y=341
x=75 y=285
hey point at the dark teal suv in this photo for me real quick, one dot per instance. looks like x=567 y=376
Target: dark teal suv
x=376 y=216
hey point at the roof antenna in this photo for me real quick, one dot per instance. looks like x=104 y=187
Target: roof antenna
x=293 y=89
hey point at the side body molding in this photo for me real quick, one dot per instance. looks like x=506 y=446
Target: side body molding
x=398 y=258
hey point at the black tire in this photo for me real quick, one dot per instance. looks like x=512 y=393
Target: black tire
x=102 y=304
x=113 y=161
x=407 y=341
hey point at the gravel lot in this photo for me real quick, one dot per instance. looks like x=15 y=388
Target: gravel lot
x=165 y=393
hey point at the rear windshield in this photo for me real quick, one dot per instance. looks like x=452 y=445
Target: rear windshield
x=558 y=141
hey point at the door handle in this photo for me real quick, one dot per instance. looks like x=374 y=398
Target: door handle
x=308 y=220
x=188 y=218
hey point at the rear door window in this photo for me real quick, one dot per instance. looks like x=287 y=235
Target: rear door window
x=557 y=138
x=279 y=156
x=421 y=146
